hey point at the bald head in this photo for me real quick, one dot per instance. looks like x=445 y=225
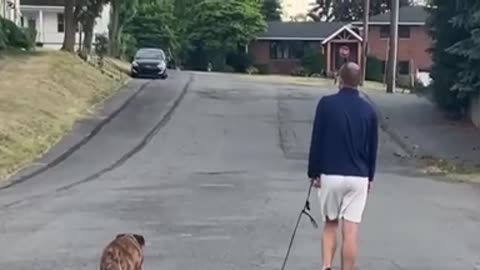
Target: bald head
x=350 y=75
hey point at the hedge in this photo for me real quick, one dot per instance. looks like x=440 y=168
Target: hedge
x=375 y=70
x=13 y=36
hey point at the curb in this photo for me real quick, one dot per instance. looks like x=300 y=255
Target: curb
x=387 y=129
x=79 y=143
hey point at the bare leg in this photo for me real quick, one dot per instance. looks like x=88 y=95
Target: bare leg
x=329 y=242
x=350 y=245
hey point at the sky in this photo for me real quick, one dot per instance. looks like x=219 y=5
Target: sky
x=295 y=7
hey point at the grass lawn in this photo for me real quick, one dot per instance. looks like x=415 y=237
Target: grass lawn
x=42 y=94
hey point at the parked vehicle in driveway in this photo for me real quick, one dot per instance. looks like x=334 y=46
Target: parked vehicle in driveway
x=149 y=62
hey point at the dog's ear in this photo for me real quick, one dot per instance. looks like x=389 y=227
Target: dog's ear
x=120 y=235
x=140 y=239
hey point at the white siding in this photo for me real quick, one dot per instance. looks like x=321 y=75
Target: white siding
x=47 y=28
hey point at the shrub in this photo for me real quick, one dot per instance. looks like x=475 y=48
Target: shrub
x=239 y=60
x=299 y=71
x=313 y=62
x=101 y=45
x=263 y=69
x=228 y=69
x=13 y=36
x=3 y=36
x=31 y=35
x=252 y=70
x=374 y=69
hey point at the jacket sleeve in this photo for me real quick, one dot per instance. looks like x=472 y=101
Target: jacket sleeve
x=314 y=160
x=373 y=148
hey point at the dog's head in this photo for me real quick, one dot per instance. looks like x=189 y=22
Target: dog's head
x=139 y=238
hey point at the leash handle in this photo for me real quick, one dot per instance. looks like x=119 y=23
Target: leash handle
x=306 y=209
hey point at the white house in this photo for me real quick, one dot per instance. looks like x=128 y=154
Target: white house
x=10 y=9
x=47 y=18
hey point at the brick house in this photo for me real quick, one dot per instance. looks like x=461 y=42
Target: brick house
x=413 y=41
x=280 y=48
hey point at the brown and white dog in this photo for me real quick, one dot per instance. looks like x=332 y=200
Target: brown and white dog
x=125 y=252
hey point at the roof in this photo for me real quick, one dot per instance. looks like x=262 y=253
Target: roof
x=416 y=15
x=300 y=30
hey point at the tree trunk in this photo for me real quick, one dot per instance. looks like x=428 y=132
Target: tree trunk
x=114 y=28
x=69 y=27
x=88 y=38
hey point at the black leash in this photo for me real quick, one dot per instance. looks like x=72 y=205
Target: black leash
x=305 y=211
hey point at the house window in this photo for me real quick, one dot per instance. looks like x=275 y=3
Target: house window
x=403 y=31
x=60 y=23
x=287 y=49
x=403 y=67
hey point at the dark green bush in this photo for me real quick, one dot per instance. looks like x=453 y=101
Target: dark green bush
x=299 y=72
x=263 y=69
x=313 y=62
x=228 y=69
x=3 y=36
x=101 y=45
x=239 y=60
x=374 y=69
x=13 y=36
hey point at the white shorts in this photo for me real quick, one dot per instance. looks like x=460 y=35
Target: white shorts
x=343 y=197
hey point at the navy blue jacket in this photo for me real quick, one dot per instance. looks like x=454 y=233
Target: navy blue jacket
x=344 y=137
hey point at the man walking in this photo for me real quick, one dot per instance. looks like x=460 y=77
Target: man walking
x=342 y=163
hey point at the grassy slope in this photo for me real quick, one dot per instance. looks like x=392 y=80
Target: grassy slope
x=41 y=96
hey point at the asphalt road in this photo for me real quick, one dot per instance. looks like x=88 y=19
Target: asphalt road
x=219 y=185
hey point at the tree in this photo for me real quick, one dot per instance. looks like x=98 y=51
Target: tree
x=122 y=11
x=152 y=26
x=92 y=10
x=332 y=10
x=182 y=10
x=222 y=26
x=454 y=28
x=272 y=10
x=72 y=11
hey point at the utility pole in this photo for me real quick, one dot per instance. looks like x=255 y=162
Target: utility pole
x=366 y=13
x=392 y=59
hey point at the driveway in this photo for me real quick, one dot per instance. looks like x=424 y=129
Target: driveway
x=218 y=185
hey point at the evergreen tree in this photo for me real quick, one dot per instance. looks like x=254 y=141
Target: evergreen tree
x=272 y=10
x=455 y=61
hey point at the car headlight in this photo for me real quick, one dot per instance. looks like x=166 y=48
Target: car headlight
x=161 y=65
x=134 y=64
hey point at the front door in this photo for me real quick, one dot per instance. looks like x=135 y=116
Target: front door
x=342 y=53
x=339 y=59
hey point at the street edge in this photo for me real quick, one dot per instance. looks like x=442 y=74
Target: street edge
x=387 y=129
x=93 y=131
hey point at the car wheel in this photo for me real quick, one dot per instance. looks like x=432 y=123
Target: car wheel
x=164 y=76
x=133 y=75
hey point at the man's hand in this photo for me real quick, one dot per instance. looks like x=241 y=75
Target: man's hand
x=316 y=182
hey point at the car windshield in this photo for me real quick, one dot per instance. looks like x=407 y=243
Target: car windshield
x=150 y=54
